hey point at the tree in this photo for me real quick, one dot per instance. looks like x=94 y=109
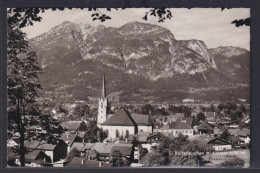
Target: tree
x=201 y=117
x=234 y=161
x=225 y=135
x=153 y=159
x=142 y=152
x=147 y=109
x=22 y=77
x=117 y=159
x=93 y=133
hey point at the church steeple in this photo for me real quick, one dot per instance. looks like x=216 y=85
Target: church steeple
x=102 y=104
x=103 y=92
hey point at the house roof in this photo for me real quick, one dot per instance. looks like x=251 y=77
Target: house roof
x=68 y=138
x=81 y=134
x=176 y=125
x=106 y=148
x=142 y=137
x=202 y=140
x=125 y=150
x=233 y=131
x=76 y=161
x=39 y=145
x=32 y=155
x=82 y=146
x=120 y=118
x=189 y=121
x=217 y=131
x=205 y=126
x=243 y=132
x=71 y=125
x=141 y=119
x=11 y=154
x=218 y=141
x=234 y=139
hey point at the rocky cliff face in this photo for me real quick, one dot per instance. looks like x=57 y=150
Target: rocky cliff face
x=234 y=62
x=134 y=56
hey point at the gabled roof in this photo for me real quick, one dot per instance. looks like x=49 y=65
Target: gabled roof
x=234 y=139
x=106 y=148
x=32 y=155
x=121 y=118
x=39 y=145
x=205 y=126
x=176 y=125
x=243 y=132
x=218 y=141
x=71 y=125
x=141 y=119
x=68 y=138
x=81 y=134
x=11 y=154
x=125 y=150
x=82 y=146
x=233 y=131
x=76 y=161
x=189 y=121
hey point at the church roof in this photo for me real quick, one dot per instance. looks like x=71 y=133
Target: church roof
x=142 y=119
x=121 y=118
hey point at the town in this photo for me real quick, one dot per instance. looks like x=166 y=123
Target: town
x=104 y=135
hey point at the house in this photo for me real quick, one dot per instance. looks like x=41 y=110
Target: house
x=235 y=141
x=217 y=131
x=13 y=158
x=69 y=139
x=244 y=135
x=37 y=158
x=13 y=142
x=205 y=128
x=219 y=144
x=54 y=151
x=177 y=128
x=82 y=147
x=150 y=141
x=105 y=150
x=188 y=120
x=209 y=143
x=210 y=117
x=76 y=161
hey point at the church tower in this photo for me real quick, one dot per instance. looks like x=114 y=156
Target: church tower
x=102 y=105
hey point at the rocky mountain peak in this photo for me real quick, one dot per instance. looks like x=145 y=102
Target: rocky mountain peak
x=228 y=51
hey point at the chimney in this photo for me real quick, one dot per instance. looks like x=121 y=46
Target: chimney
x=83 y=141
x=99 y=164
x=44 y=160
x=82 y=161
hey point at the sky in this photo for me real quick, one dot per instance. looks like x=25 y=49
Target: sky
x=210 y=25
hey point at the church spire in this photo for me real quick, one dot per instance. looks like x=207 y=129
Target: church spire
x=103 y=93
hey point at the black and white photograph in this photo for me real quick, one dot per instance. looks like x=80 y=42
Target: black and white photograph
x=128 y=87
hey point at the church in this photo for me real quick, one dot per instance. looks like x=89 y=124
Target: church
x=122 y=123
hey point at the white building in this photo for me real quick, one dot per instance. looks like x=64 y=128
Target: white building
x=122 y=123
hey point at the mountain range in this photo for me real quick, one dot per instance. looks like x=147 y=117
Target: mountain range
x=142 y=63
